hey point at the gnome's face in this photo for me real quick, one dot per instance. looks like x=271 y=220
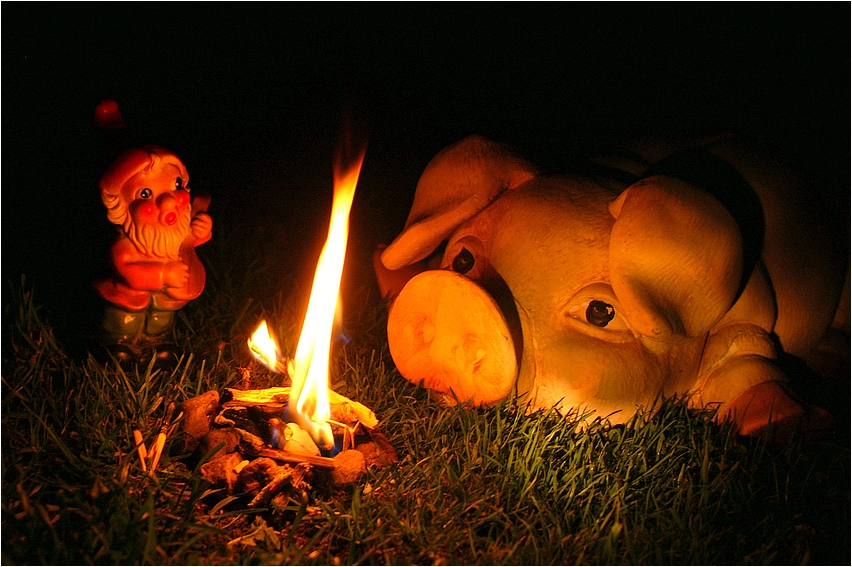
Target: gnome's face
x=159 y=209
x=146 y=192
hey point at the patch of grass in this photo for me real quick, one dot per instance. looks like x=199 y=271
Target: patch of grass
x=497 y=485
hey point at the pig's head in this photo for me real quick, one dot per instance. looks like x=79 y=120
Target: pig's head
x=556 y=288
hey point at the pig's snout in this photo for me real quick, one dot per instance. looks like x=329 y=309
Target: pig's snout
x=447 y=332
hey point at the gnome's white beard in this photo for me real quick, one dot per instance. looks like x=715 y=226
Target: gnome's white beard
x=160 y=241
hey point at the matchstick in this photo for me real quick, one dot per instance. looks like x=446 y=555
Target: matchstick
x=140 y=448
x=157 y=450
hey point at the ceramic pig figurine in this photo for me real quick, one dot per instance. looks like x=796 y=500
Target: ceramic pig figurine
x=676 y=271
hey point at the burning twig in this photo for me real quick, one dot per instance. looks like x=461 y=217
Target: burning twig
x=348 y=441
x=289 y=457
x=355 y=411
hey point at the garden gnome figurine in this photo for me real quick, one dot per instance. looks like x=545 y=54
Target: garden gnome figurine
x=155 y=267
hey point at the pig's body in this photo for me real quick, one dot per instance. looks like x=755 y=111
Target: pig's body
x=685 y=282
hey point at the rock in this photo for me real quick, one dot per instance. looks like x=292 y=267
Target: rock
x=348 y=467
x=216 y=436
x=198 y=414
x=372 y=455
x=221 y=469
x=256 y=475
x=378 y=451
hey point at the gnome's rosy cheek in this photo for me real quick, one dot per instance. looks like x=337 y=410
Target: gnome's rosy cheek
x=181 y=198
x=143 y=211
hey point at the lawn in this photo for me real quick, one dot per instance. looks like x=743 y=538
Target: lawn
x=251 y=98
x=499 y=485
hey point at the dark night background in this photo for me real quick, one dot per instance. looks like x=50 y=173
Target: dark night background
x=251 y=96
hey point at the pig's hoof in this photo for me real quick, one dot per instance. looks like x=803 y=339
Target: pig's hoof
x=771 y=410
x=448 y=333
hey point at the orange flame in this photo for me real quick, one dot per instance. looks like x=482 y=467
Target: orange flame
x=309 y=402
x=263 y=346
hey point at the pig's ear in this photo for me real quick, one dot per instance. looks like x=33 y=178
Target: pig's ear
x=675 y=258
x=458 y=183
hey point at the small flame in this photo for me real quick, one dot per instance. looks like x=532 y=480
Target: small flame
x=309 y=402
x=263 y=346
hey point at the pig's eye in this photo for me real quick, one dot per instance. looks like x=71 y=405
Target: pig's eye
x=466 y=256
x=463 y=262
x=178 y=184
x=145 y=193
x=595 y=310
x=599 y=313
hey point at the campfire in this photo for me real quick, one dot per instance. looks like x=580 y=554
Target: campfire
x=263 y=441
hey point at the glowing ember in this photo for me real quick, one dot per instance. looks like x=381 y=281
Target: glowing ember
x=309 y=401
